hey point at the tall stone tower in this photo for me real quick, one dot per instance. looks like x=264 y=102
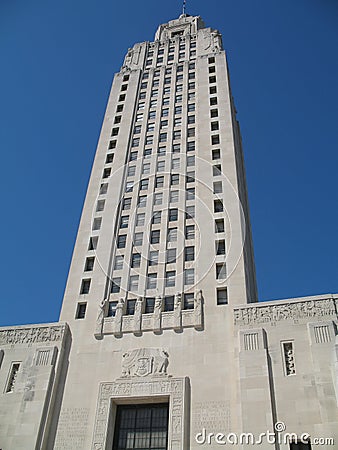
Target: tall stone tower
x=161 y=343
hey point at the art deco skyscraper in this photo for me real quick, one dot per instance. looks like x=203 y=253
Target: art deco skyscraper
x=166 y=209
x=161 y=339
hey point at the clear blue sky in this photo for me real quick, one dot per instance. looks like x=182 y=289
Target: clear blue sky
x=57 y=63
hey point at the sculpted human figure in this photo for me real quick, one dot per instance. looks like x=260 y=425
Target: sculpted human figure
x=138 y=313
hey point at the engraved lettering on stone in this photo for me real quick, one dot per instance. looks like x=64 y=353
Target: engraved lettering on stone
x=144 y=361
x=72 y=429
x=212 y=415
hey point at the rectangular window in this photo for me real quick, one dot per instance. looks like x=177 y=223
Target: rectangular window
x=170 y=278
x=133 y=285
x=299 y=445
x=13 y=374
x=214 y=113
x=142 y=201
x=124 y=222
x=175 y=179
x=213 y=101
x=164 y=124
x=222 y=296
x=133 y=156
x=149 y=140
x=220 y=247
x=191 y=146
x=216 y=170
x=97 y=223
x=155 y=237
x=146 y=168
x=212 y=69
x=191 y=119
x=166 y=101
x=142 y=426
x=163 y=137
x=115 y=286
x=144 y=184
x=161 y=151
x=219 y=226
x=121 y=241
x=130 y=309
x=169 y=303
x=190 y=194
x=147 y=152
x=109 y=158
x=177 y=121
x=173 y=214
x=191 y=107
x=135 y=260
x=190 y=178
x=106 y=173
x=172 y=235
x=93 y=243
x=138 y=239
x=85 y=286
x=176 y=148
x=190 y=232
x=103 y=188
x=215 y=139
x=152 y=115
x=159 y=182
x=177 y=135
x=221 y=273
x=81 y=311
x=150 y=304
x=150 y=127
x=189 y=253
x=212 y=79
x=175 y=163
x=129 y=186
x=171 y=256
x=140 y=219
x=190 y=160
x=190 y=212
x=160 y=166
x=214 y=126
x=112 y=308
x=191 y=132
x=89 y=266
x=173 y=197
x=212 y=90
x=152 y=281
x=218 y=206
x=178 y=110
x=126 y=203
x=156 y=217
x=158 y=198
x=165 y=112
x=118 y=265
x=216 y=154
x=217 y=187
x=189 y=277
x=100 y=205
x=153 y=258
x=188 y=301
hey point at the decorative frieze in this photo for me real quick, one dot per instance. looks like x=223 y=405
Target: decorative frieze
x=285 y=311
x=32 y=335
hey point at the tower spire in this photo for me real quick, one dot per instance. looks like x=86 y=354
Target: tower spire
x=184 y=5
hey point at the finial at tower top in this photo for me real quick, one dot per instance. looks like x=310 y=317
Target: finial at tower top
x=184 y=5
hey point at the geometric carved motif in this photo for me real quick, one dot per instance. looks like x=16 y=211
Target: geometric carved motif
x=32 y=334
x=134 y=389
x=284 y=311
